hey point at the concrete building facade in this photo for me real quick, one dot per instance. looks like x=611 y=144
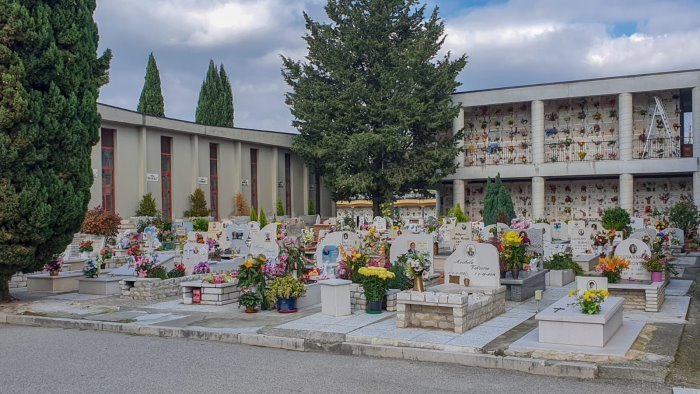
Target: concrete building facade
x=139 y=154
x=571 y=149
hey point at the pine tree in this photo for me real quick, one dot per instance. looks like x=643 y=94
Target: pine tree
x=198 y=205
x=498 y=203
x=280 y=207
x=147 y=206
x=372 y=101
x=253 y=214
x=48 y=125
x=263 y=218
x=226 y=98
x=458 y=214
x=209 y=105
x=151 y=101
x=312 y=208
x=241 y=205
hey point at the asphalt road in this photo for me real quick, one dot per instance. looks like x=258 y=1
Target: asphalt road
x=45 y=360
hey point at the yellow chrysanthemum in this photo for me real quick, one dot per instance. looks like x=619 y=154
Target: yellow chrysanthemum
x=512 y=238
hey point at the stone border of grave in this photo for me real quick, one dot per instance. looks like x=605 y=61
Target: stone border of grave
x=212 y=293
x=150 y=289
x=65 y=282
x=647 y=297
x=525 y=286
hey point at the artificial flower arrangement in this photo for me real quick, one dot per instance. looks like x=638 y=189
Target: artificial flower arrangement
x=91 y=269
x=611 y=267
x=599 y=239
x=129 y=240
x=659 y=262
x=589 y=301
x=134 y=250
x=562 y=261
x=513 y=251
x=307 y=237
x=55 y=265
x=375 y=282
x=284 y=287
x=201 y=268
x=106 y=254
x=144 y=265
x=417 y=264
x=372 y=241
x=250 y=298
x=218 y=279
x=292 y=256
x=85 y=246
x=520 y=224
x=178 y=271
x=351 y=262
x=250 y=275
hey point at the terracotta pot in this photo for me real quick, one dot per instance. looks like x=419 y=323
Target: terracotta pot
x=251 y=309
x=54 y=273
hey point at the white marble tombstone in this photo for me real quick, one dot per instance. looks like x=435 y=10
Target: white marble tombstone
x=574 y=226
x=215 y=230
x=294 y=227
x=417 y=242
x=476 y=261
x=265 y=242
x=632 y=250
x=641 y=234
x=238 y=235
x=676 y=236
x=253 y=228
x=560 y=232
x=461 y=232
x=536 y=241
x=636 y=223
x=546 y=232
x=486 y=231
x=193 y=254
x=346 y=239
x=581 y=242
x=379 y=224
x=584 y=283
x=595 y=226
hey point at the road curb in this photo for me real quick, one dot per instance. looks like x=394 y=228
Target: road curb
x=578 y=370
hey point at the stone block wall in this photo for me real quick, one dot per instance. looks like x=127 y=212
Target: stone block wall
x=454 y=312
x=150 y=289
x=358 y=301
x=649 y=300
x=19 y=280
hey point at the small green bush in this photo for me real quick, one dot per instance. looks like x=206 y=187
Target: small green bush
x=198 y=205
x=158 y=272
x=457 y=213
x=147 y=206
x=200 y=224
x=263 y=219
x=253 y=214
x=399 y=281
x=616 y=219
x=280 y=207
x=312 y=208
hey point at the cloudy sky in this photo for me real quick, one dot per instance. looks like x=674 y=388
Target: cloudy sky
x=508 y=43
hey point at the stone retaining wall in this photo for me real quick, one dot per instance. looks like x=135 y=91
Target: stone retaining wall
x=649 y=300
x=454 y=312
x=358 y=301
x=19 y=280
x=150 y=289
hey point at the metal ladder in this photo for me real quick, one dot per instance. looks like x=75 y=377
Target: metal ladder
x=652 y=134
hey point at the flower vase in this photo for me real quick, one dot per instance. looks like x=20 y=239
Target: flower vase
x=418 y=283
x=374 y=307
x=657 y=276
x=54 y=272
x=515 y=272
x=251 y=309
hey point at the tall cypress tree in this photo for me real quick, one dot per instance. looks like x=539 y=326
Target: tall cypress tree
x=372 y=101
x=226 y=99
x=151 y=101
x=498 y=202
x=209 y=104
x=48 y=125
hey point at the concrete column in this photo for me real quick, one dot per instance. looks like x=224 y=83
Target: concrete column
x=305 y=189
x=143 y=160
x=538 y=197
x=624 y=118
x=194 y=157
x=457 y=125
x=458 y=193
x=238 y=164
x=438 y=205
x=627 y=192
x=696 y=122
x=537 y=131
x=273 y=179
x=696 y=188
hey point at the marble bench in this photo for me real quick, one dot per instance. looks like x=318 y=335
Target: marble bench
x=563 y=323
x=449 y=307
x=640 y=295
x=65 y=282
x=212 y=294
x=524 y=286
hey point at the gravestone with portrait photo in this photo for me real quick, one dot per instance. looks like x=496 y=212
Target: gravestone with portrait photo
x=477 y=262
x=633 y=250
x=584 y=283
x=192 y=254
x=412 y=242
x=238 y=235
x=265 y=242
x=345 y=239
x=215 y=230
x=460 y=233
x=294 y=227
x=253 y=228
x=581 y=242
x=379 y=224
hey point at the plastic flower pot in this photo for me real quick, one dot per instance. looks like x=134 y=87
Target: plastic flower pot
x=657 y=276
x=286 y=305
x=374 y=307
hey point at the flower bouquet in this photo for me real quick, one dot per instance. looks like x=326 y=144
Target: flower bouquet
x=177 y=272
x=250 y=298
x=417 y=267
x=144 y=265
x=350 y=264
x=658 y=263
x=201 y=268
x=106 y=254
x=375 y=283
x=55 y=265
x=513 y=251
x=611 y=267
x=589 y=301
x=91 y=269
x=250 y=274
x=85 y=246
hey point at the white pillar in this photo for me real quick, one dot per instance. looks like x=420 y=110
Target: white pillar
x=537 y=131
x=143 y=160
x=305 y=189
x=696 y=121
x=194 y=156
x=274 y=178
x=458 y=194
x=627 y=192
x=457 y=125
x=537 y=197
x=237 y=165
x=624 y=118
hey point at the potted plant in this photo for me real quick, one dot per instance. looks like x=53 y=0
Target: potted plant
x=85 y=248
x=562 y=269
x=589 y=301
x=417 y=266
x=514 y=252
x=375 y=283
x=105 y=254
x=91 y=269
x=250 y=274
x=55 y=265
x=658 y=264
x=611 y=267
x=250 y=298
x=284 y=291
